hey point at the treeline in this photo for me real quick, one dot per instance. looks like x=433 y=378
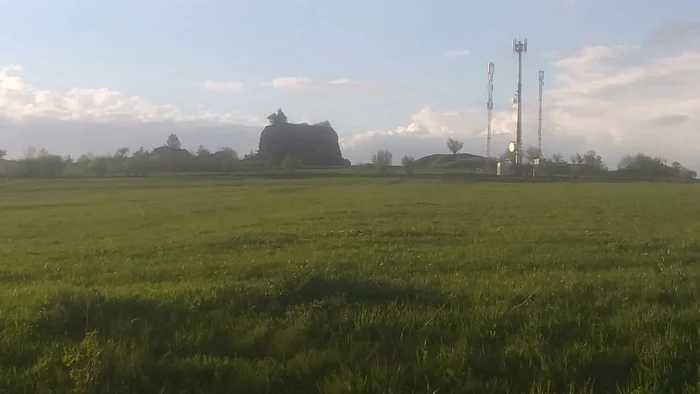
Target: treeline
x=589 y=164
x=168 y=158
x=172 y=158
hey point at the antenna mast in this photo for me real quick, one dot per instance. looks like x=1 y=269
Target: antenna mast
x=489 y=106
x=519 y=47
x=539 y=118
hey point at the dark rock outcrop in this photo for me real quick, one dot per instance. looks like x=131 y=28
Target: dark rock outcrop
x=313 y=145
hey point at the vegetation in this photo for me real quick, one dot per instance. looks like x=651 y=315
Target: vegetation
x=291 y=146
x=382 y=160
x=409 y=164
x=352 y=285
x=290 y=164
x=531 y=153
x=454 y=146
x=278 y=118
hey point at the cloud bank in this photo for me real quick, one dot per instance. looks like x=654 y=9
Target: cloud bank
x=101 y=120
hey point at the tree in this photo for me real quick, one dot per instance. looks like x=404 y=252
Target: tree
x=137 y=165
x=202 y=151
x=228 y=152
x=251 y=155
x=687 y=174
x=591 y=158
x=640 y=161
x=382 y=160
x=532 y=153
x=677 y=166
x=3 y=153
x=577 y=159
x=121 y=153
x=278 y=118
x=140 y=152
x=99 y=167
x=508 y=155
x=558 y=158
x=409 y=164
x=173 y=142
x=30 y=152
x=454 y=146
x=46 y=166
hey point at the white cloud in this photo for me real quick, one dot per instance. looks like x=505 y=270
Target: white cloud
x=303 y=83
x=224 y=86
x=615 y=99
x=291 y=83
x=344 y=82
x=424 y=123
x=12 y=68
x=456 y=53
x=19 y=101
x=429 y=123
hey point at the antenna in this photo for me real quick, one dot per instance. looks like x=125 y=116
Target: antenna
x=519 y=47
x=539 y=117
x=489 y=106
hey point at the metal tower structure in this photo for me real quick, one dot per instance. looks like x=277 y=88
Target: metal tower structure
x=539 y=117
x=519 y=47
x=489 y=106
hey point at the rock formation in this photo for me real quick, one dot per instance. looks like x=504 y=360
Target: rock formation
x=313 y=145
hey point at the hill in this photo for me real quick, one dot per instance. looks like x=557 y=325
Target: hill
x=461 y=160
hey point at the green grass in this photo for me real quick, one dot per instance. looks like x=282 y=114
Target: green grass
x=381 y=285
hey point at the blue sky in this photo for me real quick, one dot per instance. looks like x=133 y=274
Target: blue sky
x=395 y=53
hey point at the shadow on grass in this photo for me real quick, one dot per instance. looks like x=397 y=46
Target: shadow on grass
x=311 y=327
x=354 y=290
x=72 y=314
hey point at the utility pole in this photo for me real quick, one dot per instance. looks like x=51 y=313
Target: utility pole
x=539 y=118
x=489 y=106
x=519 y=47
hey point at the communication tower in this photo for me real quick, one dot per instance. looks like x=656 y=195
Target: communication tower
x=489 y=105
x=539 y=117
x=519 y=47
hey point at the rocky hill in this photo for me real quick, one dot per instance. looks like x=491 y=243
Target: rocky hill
x=313 y=145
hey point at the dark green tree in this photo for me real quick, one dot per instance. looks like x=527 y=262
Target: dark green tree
x=278 y=118
x=173 y=142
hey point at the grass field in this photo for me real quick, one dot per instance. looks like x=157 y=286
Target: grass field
x=352 y=285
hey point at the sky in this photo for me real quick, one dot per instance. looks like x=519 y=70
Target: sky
x=622 y=76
